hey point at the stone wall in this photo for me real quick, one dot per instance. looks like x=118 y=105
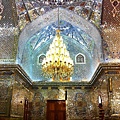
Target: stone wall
x=5 y=94
x=13 y=92
x=19 y=95
x=78 y=103
x=110 y=30
x=81 y=101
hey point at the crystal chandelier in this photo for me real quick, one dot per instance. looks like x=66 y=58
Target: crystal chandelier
x=57 y=64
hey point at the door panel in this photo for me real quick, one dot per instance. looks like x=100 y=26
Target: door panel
x=61 y=116
x=51 y=116
x=51 y=106
x=61 y=105
x=56 y=110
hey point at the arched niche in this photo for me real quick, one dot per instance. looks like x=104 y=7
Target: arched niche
x=25 y=53
x=80 y=59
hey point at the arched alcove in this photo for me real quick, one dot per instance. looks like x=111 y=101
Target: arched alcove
x=79 y=35
x=80 y=59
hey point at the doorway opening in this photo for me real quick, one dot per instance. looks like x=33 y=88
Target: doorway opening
x=56 y=110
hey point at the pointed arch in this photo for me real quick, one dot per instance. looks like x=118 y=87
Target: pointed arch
x=50 y=17
x=80 y=59
x=40 y=58
x=35 y=39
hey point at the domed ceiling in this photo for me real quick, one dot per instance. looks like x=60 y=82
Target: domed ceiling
x=80 y=37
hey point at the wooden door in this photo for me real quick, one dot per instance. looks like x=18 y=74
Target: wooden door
x=56 y=110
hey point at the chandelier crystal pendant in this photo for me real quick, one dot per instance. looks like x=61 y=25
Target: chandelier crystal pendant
x=57 y=64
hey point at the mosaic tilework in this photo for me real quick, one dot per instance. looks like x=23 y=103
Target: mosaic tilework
x=30 y=10
x=82 y=102
x=80 y=37
x=110 y=31
x=7 y=51
x=115 y=97
x=79 y=103
x=6 y=13
x=1 y=9
x=5 y=96
x=19 y=94
x=7 y=31
x=38 y=106
x=100 y=88
x=110 y=34
x=111 y=44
